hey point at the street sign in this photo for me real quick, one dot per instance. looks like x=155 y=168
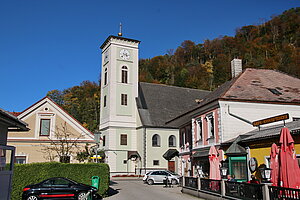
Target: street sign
x=271 y=120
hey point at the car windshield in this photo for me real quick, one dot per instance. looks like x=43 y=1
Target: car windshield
x=173 y=173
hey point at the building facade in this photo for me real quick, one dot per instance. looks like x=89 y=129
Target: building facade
x=133 y=115
x=49 y=126
x=229 y=112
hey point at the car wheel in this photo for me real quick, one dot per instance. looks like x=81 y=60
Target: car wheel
x=174 y=182
x=81 y=196
x=32 y=197
x=150 y=181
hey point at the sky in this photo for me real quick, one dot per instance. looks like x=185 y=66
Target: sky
x=55 y=44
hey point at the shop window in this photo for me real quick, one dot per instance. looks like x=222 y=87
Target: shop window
x=238 y=167
x=155 y=140
x=155 y=162
x=45 y=127
x=123 y=139
x=172 y=141
x=124 y=74
x=20 y=159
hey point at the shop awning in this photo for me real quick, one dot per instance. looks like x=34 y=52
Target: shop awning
x=133 y=154
x=171 y=153
x=201 y=153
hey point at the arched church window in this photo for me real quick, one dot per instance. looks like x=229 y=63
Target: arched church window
x=124 y=74
x=155 y=140
x=172 y=141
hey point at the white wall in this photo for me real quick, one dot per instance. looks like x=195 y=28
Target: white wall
x=232 y=127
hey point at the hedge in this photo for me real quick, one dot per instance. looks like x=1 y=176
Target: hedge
x=27 y=174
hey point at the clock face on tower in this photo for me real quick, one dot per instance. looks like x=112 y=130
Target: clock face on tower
x=124 y=54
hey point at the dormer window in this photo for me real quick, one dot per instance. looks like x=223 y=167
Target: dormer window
x=274 y=91
x=124 y=74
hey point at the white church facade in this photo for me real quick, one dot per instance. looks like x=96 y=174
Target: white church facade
x=133 y=115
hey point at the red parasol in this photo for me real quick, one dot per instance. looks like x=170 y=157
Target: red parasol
x=214 y=171
x=289 y=172
x=274 y=165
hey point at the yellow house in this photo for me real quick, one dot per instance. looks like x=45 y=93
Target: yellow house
x=54 y=134
x=257 y=144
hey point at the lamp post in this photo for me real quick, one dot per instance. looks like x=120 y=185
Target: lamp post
x=224 y=171
x=265 y=174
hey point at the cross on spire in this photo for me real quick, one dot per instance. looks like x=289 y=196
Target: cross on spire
x=120 y=32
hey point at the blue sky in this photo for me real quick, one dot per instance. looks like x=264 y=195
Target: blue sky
x=54 y=44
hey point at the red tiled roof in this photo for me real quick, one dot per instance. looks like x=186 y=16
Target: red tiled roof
x=264 y=85
x=15 y=113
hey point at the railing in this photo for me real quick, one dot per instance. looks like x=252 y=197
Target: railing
x=281 y=193
x=244 y=190
x=180 y=184
x=211 y=185
x=191 y=182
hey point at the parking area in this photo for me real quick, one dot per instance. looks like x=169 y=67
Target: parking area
x=135 y=190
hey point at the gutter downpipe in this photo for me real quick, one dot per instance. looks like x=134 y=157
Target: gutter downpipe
x=145 y=148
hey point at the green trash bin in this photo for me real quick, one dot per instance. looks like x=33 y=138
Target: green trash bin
x=95 y=181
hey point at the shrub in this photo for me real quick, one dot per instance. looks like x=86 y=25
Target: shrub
x=27 y=174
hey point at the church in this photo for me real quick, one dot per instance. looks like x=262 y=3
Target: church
x=133 y=114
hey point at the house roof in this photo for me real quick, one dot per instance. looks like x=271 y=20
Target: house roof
x=266 y=132
x=252 y=85
x=14 y=124
x=159 y=103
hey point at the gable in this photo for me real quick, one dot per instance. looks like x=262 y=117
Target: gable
x=56 y=117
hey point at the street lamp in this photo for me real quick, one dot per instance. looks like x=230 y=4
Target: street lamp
x=224 y=171
x=265 y=173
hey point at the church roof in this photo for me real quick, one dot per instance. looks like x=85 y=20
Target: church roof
x=159 y=103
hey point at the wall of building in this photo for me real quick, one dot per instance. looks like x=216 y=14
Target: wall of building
x=155 y=153
x=231 y=127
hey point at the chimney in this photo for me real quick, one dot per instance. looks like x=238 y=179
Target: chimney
x=236 y=67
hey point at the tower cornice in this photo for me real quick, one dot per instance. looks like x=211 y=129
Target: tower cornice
x=111 y=37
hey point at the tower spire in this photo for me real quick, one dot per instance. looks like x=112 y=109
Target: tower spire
x=120 y=32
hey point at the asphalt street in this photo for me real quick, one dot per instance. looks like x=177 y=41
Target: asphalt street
x=137 y=190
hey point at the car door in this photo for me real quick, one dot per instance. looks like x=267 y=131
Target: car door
x=63 y=189
x=155 y=176
x=164 y=175
x=60 y=189
x=44 y=189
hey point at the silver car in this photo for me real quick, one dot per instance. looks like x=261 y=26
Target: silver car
x=161 y=175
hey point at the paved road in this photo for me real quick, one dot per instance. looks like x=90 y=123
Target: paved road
x=137 y=190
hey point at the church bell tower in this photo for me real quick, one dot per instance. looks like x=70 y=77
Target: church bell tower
x=118 y=111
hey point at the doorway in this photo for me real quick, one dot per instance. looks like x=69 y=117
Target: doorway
x=171 y=166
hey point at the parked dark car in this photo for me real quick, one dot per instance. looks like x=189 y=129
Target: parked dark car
x=58 y=188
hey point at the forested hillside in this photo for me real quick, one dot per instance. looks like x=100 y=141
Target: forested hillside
x=274 y=44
